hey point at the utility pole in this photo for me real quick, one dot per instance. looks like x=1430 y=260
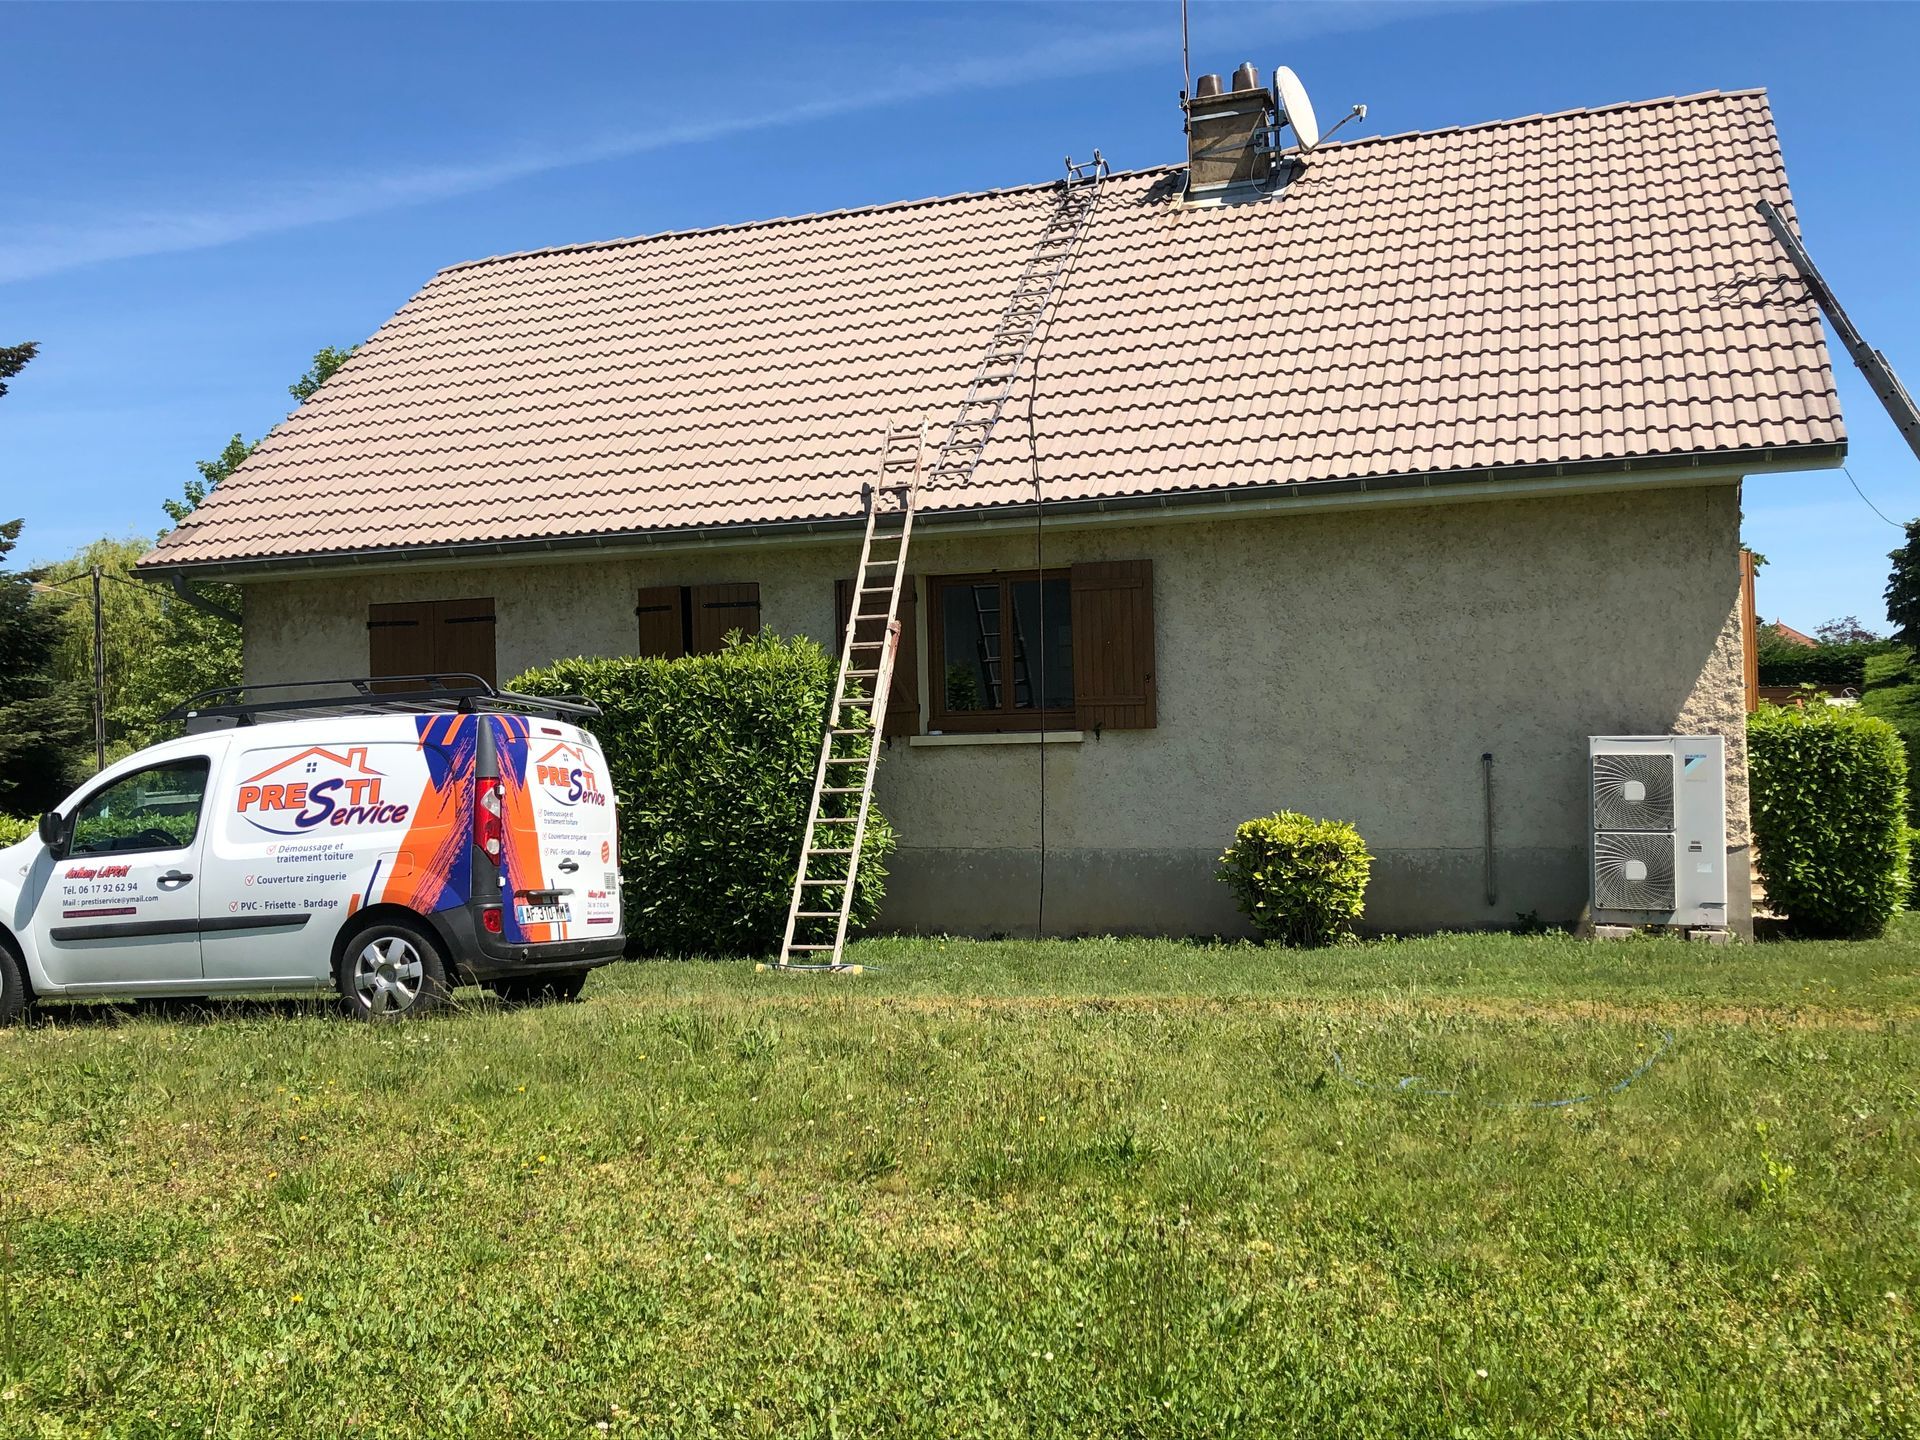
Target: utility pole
x=99 y=678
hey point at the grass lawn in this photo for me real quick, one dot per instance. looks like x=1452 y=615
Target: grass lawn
x=1095 y=1188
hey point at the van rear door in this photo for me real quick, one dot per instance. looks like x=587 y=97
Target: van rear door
x=560 y=852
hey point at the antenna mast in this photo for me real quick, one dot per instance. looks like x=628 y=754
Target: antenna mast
x=1186 y=61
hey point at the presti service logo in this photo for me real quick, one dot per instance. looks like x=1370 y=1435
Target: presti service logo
x=568 y=776
x=314 y=788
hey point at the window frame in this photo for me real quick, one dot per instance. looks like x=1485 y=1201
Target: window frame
x=204 y=762
x=1006 y=719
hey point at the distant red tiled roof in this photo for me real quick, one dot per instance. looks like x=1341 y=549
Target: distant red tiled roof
x=1791 y=635
x=1580 y=287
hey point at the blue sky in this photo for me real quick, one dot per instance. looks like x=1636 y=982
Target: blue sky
x=193 y=200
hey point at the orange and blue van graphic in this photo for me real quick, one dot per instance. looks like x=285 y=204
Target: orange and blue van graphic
x=387 y=814
x=431 y=867
x=558 y=812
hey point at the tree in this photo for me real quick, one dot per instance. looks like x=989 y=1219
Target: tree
x=185 y=648
x=325 y=362
x=212 y=472
x=44 y=726
x=1903 y=589
x=192 y=649
x=1846 y=630
x=1772 y=648
x=131 y=616
x=13 y=359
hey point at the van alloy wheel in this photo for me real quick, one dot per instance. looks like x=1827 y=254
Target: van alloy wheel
x=390 y=969
x=388 y=974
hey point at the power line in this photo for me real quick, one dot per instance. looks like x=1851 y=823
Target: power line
x=1869 y=504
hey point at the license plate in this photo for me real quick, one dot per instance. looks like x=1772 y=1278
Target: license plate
x=543 y=914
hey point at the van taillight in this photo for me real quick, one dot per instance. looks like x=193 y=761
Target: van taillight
x=492 y=921
x=487 y=824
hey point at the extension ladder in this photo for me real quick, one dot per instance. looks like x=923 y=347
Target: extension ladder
x=823 y=882
x=856 y=716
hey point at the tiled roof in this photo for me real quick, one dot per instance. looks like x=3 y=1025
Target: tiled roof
x=1566 y=288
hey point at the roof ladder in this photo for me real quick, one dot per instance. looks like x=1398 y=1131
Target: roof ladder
x=823 y=882
x=1885 y=384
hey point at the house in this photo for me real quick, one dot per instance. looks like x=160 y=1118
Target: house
x=1791 y=636
x=1407 y=452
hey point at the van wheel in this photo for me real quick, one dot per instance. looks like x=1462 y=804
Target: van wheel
x=391 y=968
x=540 y=989
x=13 y=985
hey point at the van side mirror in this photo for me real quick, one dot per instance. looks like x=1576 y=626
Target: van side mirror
x=53 y=832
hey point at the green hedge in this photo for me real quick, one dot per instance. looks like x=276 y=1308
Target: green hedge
x=1829 y=803
x=1298 y=880
x=13 y=829
x=1783 y=664
x=712 y=759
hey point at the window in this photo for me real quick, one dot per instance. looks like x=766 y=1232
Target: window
x=153 y=809
x=678 y=620
x=432 y=637
x=1002 y=651
x=1064 y=649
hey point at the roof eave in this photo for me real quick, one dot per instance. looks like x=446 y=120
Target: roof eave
x=1638 y=472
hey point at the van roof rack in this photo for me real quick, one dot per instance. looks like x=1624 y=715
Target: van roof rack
x=366 y=695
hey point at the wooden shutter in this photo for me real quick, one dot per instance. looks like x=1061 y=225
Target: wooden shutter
x=717 y=609
x=400 y=638
x=903 y=700
x=463 y=638
x=661 y=612
x=1113 y=681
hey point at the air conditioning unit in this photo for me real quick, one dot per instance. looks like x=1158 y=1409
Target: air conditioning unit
x=1659 y=829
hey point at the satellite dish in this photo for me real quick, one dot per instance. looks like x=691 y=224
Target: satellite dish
x=1290 y=96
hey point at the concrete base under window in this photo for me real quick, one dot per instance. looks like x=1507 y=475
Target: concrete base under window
x=1174 y=892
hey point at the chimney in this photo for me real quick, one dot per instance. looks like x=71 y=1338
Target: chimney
x=1229 y=134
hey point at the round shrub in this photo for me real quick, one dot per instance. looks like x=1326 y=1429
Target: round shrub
x=1829 y=801
x=1300 y=881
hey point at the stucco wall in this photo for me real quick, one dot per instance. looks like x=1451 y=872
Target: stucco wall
x=1353 y=663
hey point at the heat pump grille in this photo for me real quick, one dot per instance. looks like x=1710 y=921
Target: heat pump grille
x=1633 y=792
x=1633 y=872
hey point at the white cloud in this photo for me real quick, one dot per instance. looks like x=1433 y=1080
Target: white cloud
x=29 y=251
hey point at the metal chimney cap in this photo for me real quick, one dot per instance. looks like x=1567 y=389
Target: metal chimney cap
x=1206 y=87
x=1246 y=77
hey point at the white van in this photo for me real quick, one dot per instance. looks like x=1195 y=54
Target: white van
x=388 y=839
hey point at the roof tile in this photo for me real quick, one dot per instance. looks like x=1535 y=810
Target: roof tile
x=1576 y=287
